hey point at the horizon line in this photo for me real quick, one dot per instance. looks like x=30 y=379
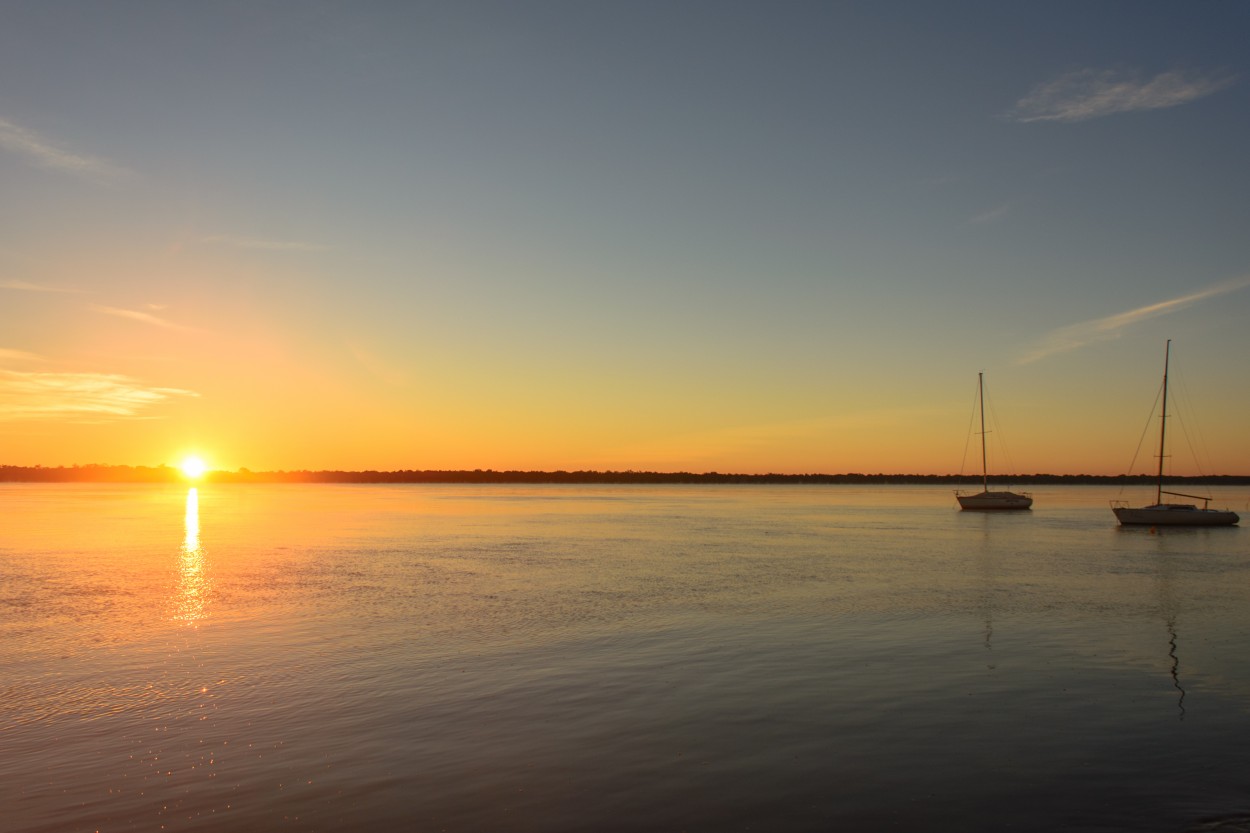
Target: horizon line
x=165 y=471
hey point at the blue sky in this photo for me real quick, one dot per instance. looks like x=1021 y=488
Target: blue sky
x=731 y=236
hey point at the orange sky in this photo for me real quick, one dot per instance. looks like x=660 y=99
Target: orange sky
x=292 y=241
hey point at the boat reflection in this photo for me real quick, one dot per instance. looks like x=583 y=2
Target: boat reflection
x=987 y=572
x=1176 y=665
x=193 y=583
x=1169 y=607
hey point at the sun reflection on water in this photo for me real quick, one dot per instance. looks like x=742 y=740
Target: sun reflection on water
x=193 y=583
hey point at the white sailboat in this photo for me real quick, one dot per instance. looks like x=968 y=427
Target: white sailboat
x=985 y=499
x=1171 y=514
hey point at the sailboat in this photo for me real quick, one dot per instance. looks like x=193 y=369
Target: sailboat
x=1171 y=514
x=987 y=500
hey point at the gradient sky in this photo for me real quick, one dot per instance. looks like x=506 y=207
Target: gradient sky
x=704 y=236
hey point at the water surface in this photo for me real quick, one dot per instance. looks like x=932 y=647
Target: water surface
x=551 y=658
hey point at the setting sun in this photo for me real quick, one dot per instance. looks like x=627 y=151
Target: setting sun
x=193 y=467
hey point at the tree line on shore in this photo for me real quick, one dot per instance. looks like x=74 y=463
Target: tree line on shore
x=168 y=474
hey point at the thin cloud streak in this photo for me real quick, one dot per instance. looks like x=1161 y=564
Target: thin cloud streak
x=138 y=315
x=1075 y=336
x=44 y=153
x=19 y=355
x=263 y=245
x=78 y=397
x=1091 y=93
x=25 y=286
x=992 y=215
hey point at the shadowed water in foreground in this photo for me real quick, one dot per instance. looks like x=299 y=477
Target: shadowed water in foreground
x=614 y=658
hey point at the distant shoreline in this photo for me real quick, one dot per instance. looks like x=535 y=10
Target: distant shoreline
x=168 y=474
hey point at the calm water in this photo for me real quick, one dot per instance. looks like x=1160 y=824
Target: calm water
x=547 y=658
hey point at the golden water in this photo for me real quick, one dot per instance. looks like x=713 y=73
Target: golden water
x=550 y=658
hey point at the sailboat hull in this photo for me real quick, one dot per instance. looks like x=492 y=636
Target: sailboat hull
x=985 y=500
x=994 y=501
x=1173 y=514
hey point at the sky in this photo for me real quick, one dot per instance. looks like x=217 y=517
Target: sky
x=665 y=236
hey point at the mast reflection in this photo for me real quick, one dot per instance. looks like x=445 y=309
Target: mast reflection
x=1170 y=608
x=1176 y=667
x=193 y=582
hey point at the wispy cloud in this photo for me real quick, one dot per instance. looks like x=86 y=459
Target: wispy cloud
x=990 y=216
x=262 y=244
x=45 y=153
x=1090 y=93
x=18 y=355
x=381 y=368
x=24 y=286
x=78 y=397
x=1111 y=327
x=141 y=316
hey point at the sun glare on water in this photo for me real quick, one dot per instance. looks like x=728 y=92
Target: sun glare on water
x=193 y=467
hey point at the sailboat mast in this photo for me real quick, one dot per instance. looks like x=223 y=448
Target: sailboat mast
x=985 y=478
x=1163 y=422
